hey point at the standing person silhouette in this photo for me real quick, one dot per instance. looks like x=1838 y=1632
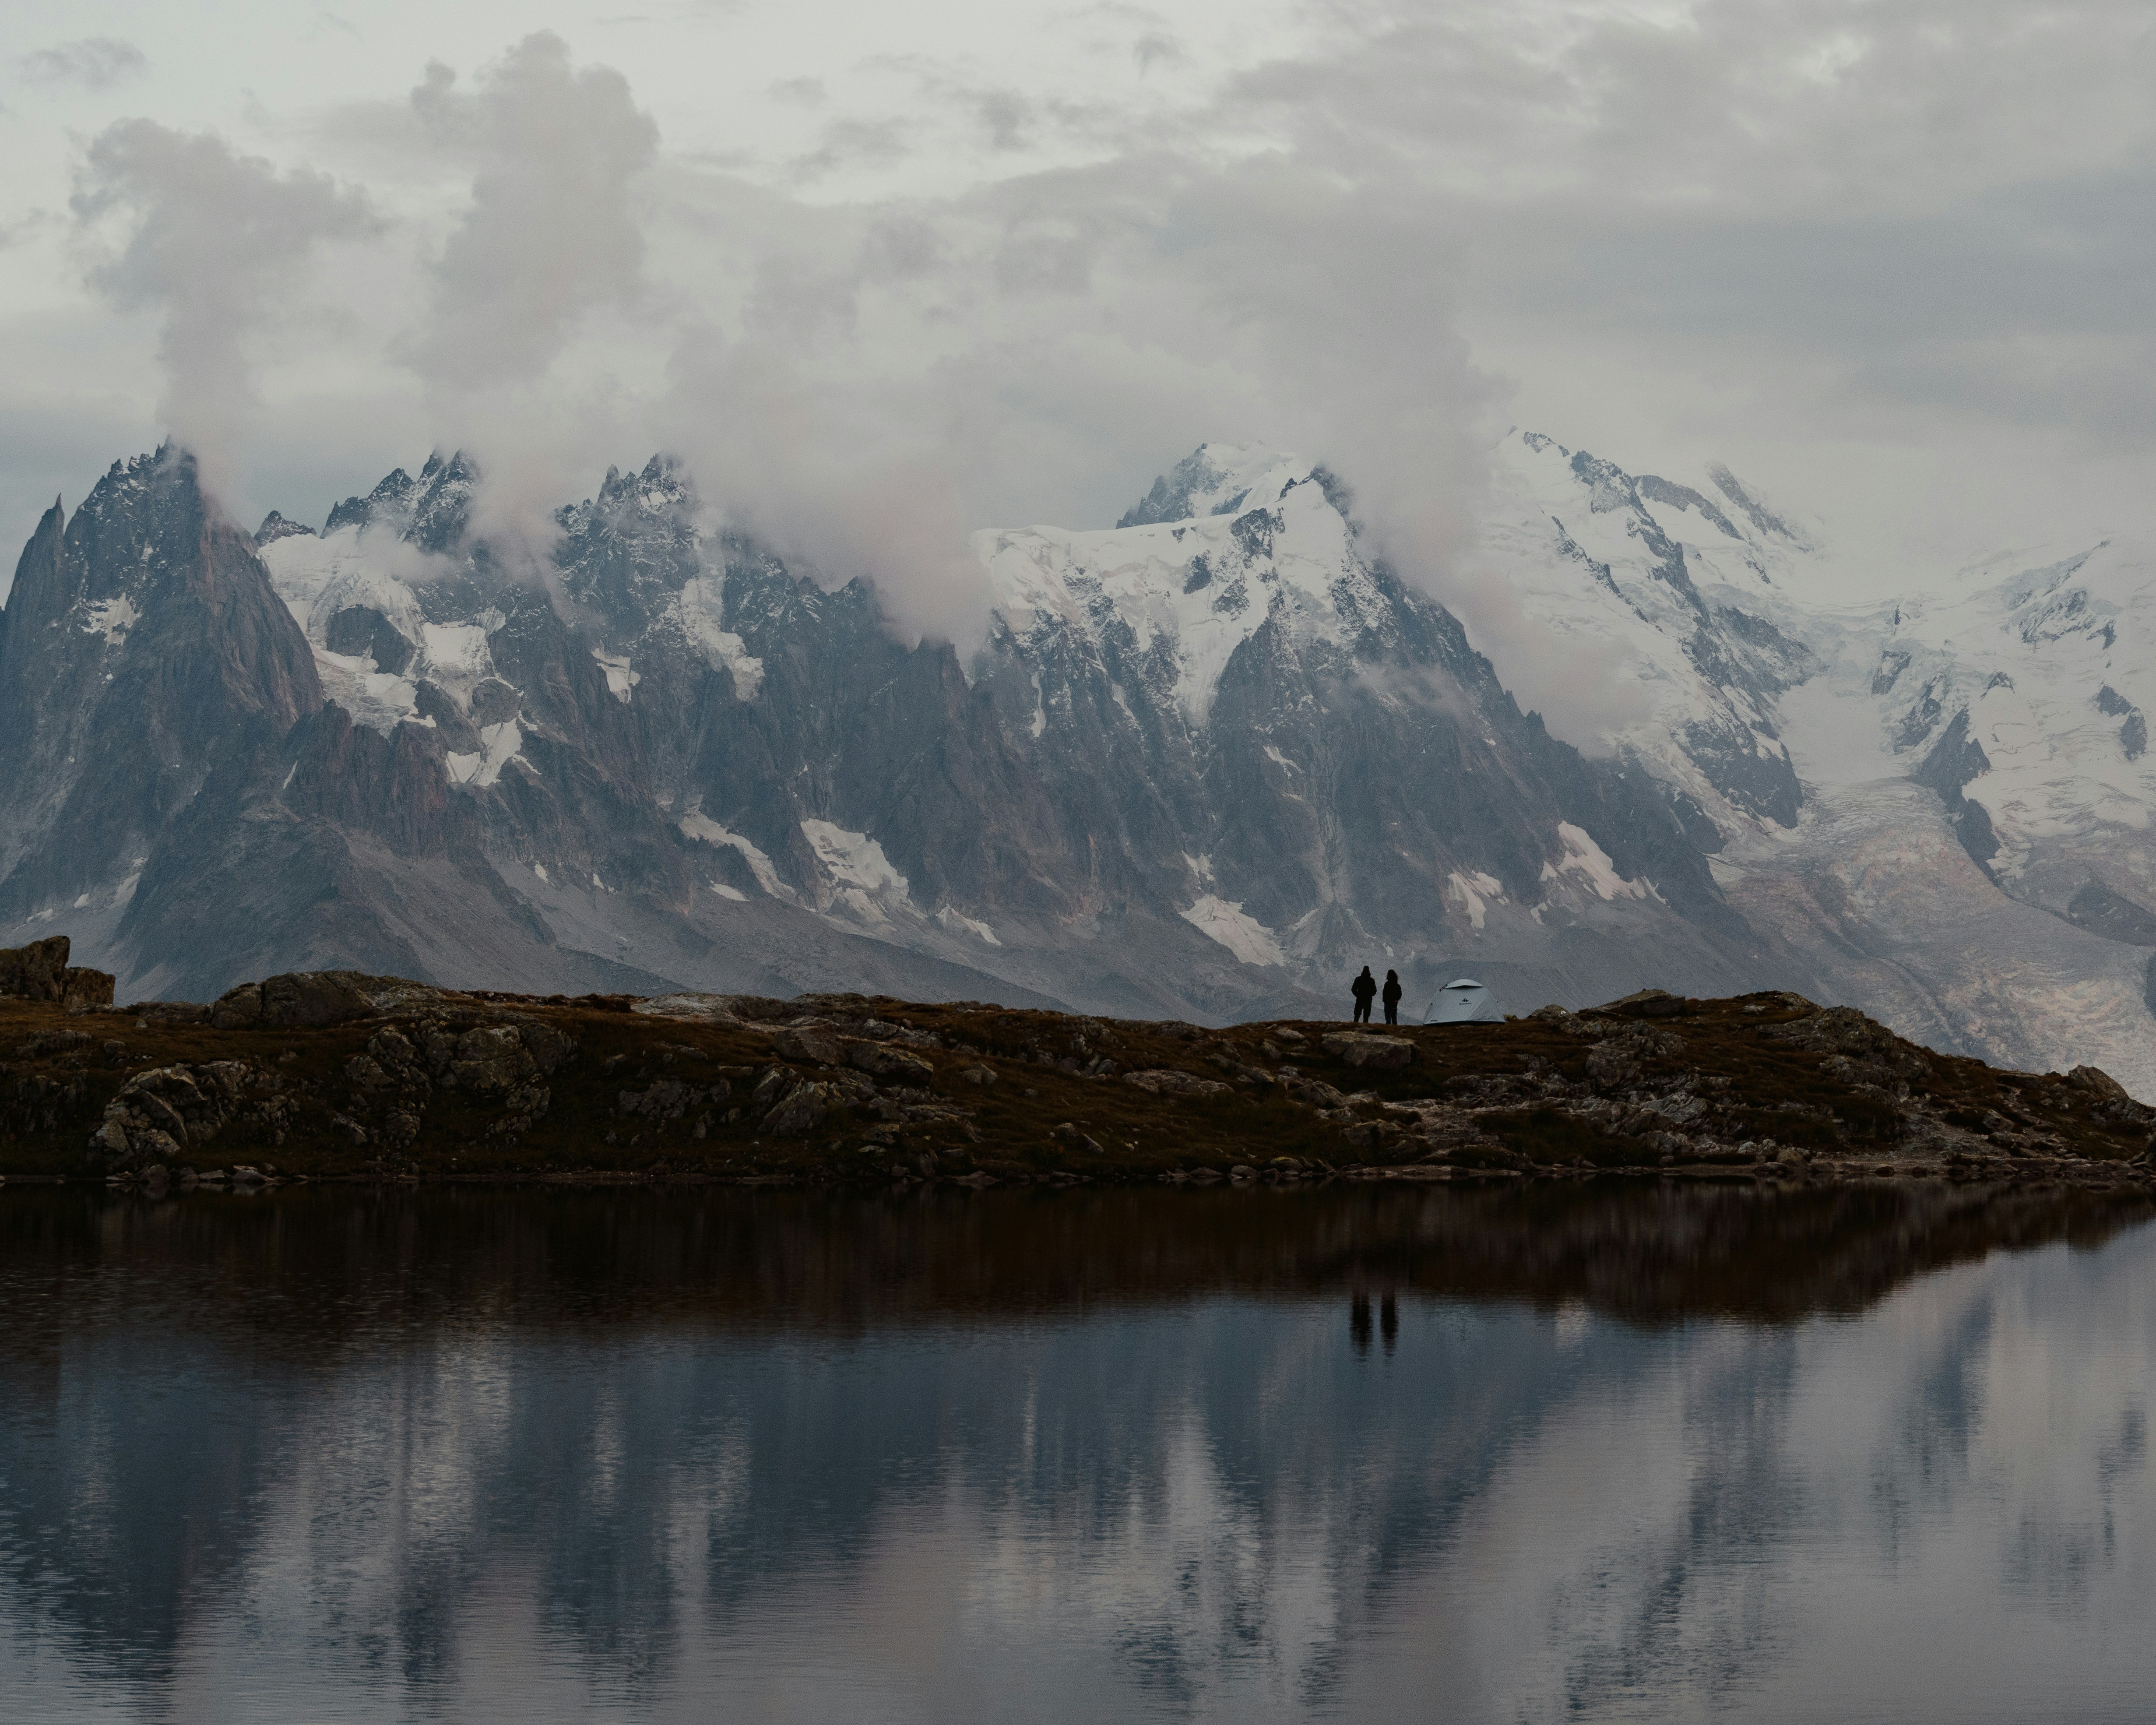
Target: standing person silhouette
x=1392 y=997
x=1364 y=989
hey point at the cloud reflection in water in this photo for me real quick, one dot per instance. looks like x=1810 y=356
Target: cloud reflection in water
x=573 y=1456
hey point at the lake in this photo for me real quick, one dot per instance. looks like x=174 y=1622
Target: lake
x=1598 y=1452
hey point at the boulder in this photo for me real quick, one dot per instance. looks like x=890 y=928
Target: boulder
x=36 y=972
x=1648 y=1004
x=86 y=990
x=814 y=1042
x=2098 y=1082
x=161 y=1112
x=1359 y=1048
x=801 y=1111
x=491 y=1059
x=314 y=999
x=884 y=1060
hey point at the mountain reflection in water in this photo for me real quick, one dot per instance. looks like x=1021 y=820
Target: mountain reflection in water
x=1562 y=1451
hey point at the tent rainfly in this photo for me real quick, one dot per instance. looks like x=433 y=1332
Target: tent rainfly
x=1462 y=1001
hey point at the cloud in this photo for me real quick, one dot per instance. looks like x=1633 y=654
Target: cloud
x=1711 y=228
x=1157 y=48
x=94 y=62
x=852 y=143
x=849 y=478
x=549 y=235
x=549 y=240
x=178 y=224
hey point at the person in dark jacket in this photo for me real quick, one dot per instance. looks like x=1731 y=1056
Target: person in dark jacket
x=1392 y=997
x=1364 y=989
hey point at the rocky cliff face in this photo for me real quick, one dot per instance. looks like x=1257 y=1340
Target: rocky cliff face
x=142 y=644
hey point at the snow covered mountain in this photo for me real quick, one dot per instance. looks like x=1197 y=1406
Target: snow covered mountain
x=1935 y=806
x=1210 y=761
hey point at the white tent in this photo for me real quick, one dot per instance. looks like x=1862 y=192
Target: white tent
x=1463 y=1001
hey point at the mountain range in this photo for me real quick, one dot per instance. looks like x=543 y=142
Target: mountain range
x=1204 y=764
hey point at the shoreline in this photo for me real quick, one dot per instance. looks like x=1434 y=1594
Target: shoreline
x=2084 y=1177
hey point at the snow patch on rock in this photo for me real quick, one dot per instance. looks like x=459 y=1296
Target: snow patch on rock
x=1228 y=924
x=702 y=828
x=697 y=610
x=499 y=745
x=1475 y=891
x=1590 y=863
x=852 y=859
x=112 y=619
x=958 y=922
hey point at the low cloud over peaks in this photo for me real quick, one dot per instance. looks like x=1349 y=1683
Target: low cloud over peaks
x=211 y=241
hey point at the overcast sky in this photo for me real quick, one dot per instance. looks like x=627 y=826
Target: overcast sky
x=882 y=273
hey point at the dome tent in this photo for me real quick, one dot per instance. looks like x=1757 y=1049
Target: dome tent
x=1462 y=1001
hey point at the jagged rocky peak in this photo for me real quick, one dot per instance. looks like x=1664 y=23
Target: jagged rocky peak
x=141 y=642
x=431 y=511
x=389 y=503
x=274 y=527
x=442 y=507
x=1217 y=479
x=1657 y=489
x=626 y=553
x=1764 y=519
x=664 y=488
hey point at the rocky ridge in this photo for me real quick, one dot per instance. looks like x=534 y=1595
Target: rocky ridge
x=336 y=1075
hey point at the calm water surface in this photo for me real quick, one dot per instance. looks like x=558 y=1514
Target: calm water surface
x=546 y=1457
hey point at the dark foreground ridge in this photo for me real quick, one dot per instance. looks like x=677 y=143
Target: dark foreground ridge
x=328 y=1075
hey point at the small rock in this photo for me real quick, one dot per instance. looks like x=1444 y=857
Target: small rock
x=982 y=1075
x=1359 y=1048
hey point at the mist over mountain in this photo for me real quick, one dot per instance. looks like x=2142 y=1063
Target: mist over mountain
x=1204 y=763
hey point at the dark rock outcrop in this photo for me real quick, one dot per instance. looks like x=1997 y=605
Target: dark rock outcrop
x=40 y=971
x=36 y=972
x=141 y=643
